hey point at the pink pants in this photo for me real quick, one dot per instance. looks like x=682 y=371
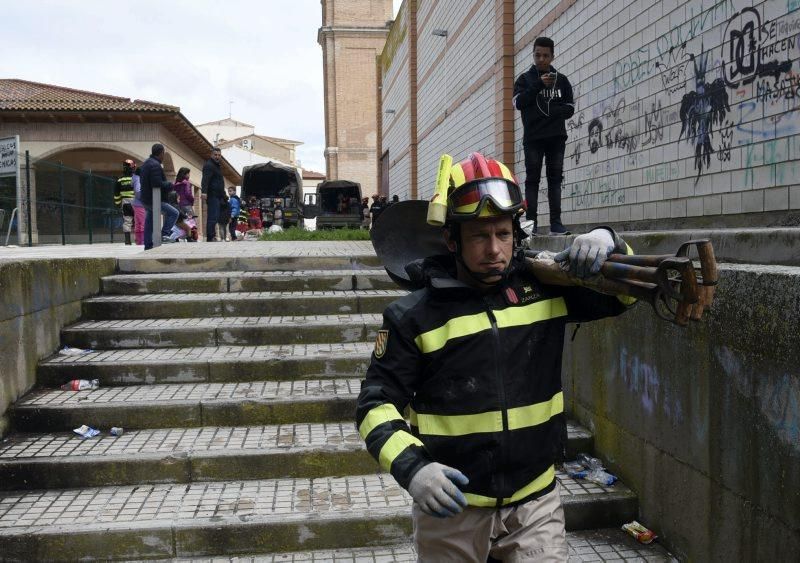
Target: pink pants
x=139 y=214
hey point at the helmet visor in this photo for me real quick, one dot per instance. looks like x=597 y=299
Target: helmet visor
x=471 y=199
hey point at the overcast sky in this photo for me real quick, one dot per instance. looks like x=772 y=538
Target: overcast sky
x=261 y=54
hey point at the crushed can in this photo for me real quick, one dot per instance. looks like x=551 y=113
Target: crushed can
x=116 y=431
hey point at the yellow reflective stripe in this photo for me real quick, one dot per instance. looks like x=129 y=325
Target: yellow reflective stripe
x=435 y=339
x=534 y=486
x=377 y=416
x=394 y=446
x=461 y=424
x=535 y=312
x=412 y=416
x=538 y=413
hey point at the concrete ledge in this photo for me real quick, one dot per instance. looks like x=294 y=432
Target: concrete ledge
x=40 y=297
x=779 y=246
x=706 y=416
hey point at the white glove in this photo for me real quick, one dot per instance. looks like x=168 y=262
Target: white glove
x=588 y=253
x=434 y=489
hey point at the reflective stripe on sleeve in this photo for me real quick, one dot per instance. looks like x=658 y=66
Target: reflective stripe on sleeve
x=534 y=486
x=394 y=446
x=538 y=413
x=627 y=299
x=377 y=416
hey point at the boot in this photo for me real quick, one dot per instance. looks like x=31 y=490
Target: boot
x=127 y=238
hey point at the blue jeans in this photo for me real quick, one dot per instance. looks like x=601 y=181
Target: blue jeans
x=551 y=151
x=170 y=216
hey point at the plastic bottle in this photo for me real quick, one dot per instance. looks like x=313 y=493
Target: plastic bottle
x=81 y=385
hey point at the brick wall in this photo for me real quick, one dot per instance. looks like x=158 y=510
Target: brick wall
x=353 y=35
x=694 y=127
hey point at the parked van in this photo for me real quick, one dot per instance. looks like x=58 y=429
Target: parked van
x=338 y=204
x=270 y=182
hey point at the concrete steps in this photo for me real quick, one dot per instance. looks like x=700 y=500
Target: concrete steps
x=230 y=517
x=189 y=405
x=139 y=366
x=235 y=378
x=225 y=282
x=185 y=455
x=219 y=331
x=238 y=304
x=608 y=544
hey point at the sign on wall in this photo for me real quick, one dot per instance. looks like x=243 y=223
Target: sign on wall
x=9 y=151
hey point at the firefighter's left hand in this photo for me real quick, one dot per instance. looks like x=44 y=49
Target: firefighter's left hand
x=588 y=253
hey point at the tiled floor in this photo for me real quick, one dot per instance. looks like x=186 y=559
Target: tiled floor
x=224 y=322
x=247 y=295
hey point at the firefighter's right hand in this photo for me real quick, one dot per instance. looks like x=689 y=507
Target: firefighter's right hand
x=435 y=489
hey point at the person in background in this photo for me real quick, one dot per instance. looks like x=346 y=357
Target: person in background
x=395 y=199
x=254 y=220
x=139 y=211
x=153 y=178
x=123 y=197
x=236 y=208
x=224 y=219
x=365 y=220
x=212 y=187
x=183 y=188
x=376 y=208
x=544 y=96
x=277 y=213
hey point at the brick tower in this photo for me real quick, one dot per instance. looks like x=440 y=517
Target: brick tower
x=352 y=35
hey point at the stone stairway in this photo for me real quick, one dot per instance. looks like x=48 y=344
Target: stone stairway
x=236 y=387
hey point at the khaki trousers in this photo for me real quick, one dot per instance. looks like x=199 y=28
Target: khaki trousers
x=533 y=531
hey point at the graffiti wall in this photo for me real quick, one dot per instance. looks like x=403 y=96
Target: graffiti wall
x=683 y=108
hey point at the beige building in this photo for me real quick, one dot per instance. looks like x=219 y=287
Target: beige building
x=89 y=131
x=242 y=146
x=352 y=35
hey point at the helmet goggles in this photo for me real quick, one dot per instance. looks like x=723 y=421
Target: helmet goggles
x=471 y=200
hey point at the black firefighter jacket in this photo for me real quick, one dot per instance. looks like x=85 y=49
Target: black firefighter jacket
x=544 y=110
x=482 y=376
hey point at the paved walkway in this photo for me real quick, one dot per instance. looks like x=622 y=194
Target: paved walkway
x=187 y=250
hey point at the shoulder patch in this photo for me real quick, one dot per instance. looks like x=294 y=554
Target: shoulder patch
x=381 y=340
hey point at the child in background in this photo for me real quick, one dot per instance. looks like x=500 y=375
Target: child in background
x=184 y=190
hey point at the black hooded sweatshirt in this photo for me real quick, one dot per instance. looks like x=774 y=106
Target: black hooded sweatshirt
x=544 y=110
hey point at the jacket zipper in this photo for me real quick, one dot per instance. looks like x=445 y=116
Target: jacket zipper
x=499 y=376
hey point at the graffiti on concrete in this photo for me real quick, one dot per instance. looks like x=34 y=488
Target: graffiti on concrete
x=603 y=192
x=700 y=19
x=595 y=135
x=575 y=122
x=663 y=172
x=725 y=142
x=617 y=135
x=778 y=398
x=700 y=110
x=643 y=380
x=653 y=125
x=786 y=89
x=576 y=154
x=745 y=49
x=673 y=69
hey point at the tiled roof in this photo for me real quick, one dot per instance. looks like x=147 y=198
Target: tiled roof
x=311 y=175
x=23 y=95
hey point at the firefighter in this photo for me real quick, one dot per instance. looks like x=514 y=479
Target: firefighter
x=476 y=355
x=123 y=197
